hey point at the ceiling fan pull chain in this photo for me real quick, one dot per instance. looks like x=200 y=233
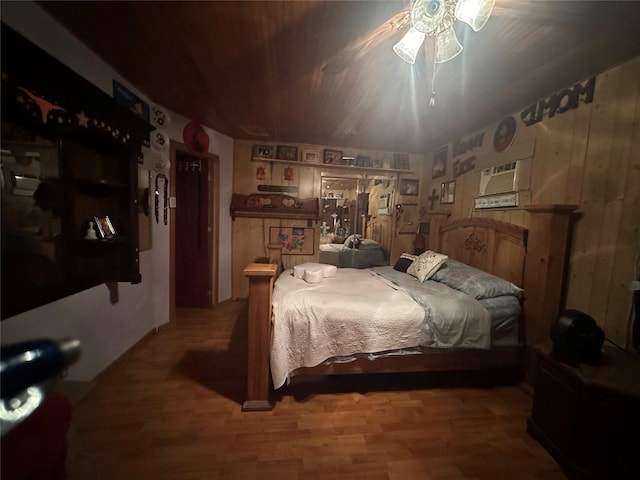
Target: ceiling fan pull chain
x=432 y=100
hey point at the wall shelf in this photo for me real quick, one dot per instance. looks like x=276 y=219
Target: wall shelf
x=350 y=168
x=273 y=205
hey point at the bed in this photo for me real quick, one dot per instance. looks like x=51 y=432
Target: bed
x=533 y=258
x=345 y=255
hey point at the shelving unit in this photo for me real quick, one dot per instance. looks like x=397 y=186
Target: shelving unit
x=350 y=168
x=69 y=164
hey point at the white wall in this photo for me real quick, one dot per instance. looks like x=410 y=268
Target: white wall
x=106 y=331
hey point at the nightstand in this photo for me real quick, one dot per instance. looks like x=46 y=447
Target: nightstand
x=588 y=416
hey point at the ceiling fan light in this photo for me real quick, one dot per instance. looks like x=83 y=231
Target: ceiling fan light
x=475 y=13
x=447 y=46
x=407 y=48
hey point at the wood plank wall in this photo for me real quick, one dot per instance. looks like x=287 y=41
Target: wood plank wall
x=250 y=236
x=589 y=156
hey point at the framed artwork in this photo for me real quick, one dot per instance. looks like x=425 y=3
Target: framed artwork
x=130 y=100
x=401 y=161
x=262 y=151
x=310 y=156
x=363 y=161
x=409 y=187
x=333 y=157
x=376 y=163
x=105 y=227
x=287 y=152
x=294 y=240
x=448 y=192
x=440 y=162
x=408 y=219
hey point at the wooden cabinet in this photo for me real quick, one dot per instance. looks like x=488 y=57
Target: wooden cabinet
x=69 y=154
x=588 y=417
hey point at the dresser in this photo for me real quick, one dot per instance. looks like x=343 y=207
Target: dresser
x=588 y=416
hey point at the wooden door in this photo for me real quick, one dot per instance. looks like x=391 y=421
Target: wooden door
x=192 y=252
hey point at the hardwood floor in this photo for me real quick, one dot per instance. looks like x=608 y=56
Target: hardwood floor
x=170 y=409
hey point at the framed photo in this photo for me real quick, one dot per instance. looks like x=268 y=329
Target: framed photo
x=262 y=151
x=294 y=240
x=448 y=192
x=440 y=162
x=310 y=156
x=408 y=219
x=376 y=163
x=105 y=227
x=409 y=187
x=333 y=157
x=287 y=152
x=401 y=161
x=363 y=161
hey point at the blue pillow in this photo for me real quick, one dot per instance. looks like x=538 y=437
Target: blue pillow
x=472 y=281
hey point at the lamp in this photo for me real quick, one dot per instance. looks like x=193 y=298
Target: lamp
x=435 y=18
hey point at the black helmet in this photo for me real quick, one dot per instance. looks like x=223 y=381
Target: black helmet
x=576 y=338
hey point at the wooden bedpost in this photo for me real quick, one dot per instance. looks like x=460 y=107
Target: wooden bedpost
x=261 y=277
x=550 y=229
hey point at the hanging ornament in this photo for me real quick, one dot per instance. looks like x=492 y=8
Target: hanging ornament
x=288 y=174
x=195 y=138
x=260 y=173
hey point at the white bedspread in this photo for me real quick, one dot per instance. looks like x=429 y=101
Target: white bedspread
x=358 y=311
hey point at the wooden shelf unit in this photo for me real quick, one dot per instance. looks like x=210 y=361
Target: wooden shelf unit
x=351 y=168
x=74 y=151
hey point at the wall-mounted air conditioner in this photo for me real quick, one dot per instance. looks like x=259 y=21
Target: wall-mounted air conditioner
x=505 y=178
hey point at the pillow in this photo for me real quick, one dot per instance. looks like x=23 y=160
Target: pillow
x=473 y=281
x=426 y=265
x=367 y=244
x=404 y=262
x=352 y=241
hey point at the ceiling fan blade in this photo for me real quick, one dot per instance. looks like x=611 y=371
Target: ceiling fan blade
x=447 y=45
x=362 y=45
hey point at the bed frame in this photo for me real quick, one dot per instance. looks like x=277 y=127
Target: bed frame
x=534 y=258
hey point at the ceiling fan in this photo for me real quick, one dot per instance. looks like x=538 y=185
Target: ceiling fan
x=436 y=19
x=432 y=19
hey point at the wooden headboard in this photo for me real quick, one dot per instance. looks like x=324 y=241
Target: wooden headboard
x=534 y=258
x=490 y=245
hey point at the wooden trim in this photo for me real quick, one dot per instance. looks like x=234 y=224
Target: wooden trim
x=173 y=148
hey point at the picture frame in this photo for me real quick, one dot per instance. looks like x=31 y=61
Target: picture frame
x=447 y=192
x=376 y=163
x=262 y=151
x=294 y=240
x=287 y=152
x=363 y=161
x=348 y=161
x=440 y=158
x=310 y=156
x=105 y=227
x=332 y=157
x=408 y=219
x=409 y=187
x=401 y=161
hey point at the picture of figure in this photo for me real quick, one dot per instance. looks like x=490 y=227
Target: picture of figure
x=505 y=133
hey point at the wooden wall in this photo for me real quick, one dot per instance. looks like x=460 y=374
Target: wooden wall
x=590 y=157
x=250 y=236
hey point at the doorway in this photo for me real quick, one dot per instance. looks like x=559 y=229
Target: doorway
x=194 y=229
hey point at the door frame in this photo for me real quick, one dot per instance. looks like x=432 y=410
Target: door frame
x=213 y=216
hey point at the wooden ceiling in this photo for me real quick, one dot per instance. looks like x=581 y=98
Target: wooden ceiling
x=324 y=72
